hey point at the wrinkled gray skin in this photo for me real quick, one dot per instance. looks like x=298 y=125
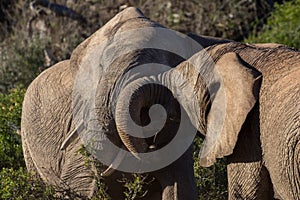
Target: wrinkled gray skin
x=49 y=129
x=261 y=130
x=267 y=150
x=261 y=85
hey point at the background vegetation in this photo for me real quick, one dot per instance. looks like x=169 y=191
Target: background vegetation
x=34 y=37
x=283 y=26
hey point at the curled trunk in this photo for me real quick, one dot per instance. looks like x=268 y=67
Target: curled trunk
x=175 y=91
x=145 y=112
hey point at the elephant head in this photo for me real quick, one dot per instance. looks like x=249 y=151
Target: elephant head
x=105 y=69
x=216 y=96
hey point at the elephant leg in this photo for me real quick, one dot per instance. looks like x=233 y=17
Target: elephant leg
x=247 y=177
x=248 y=181
x=153 y=189
x=177 y=180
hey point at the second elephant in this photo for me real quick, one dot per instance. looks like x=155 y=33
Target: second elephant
x=248 y=108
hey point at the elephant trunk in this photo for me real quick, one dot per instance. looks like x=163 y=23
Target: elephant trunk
x=175 y=90
x=139 y=120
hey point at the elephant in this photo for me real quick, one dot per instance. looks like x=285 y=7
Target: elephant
x=265 y=162
x=81 y=97
x=74 y=106
x=248 y=109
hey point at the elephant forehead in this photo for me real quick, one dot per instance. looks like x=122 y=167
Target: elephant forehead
x=130 y=18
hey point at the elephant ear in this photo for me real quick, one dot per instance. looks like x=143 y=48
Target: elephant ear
x=236 y=95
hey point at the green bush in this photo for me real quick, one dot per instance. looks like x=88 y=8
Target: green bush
x=282 y=26
x=11 y=155
x=18 y=184
x=134 y=188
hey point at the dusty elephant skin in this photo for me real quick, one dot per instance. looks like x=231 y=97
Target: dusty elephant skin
x=260 y=119
x=263 y=148
x=50 y=128
x=279 y=115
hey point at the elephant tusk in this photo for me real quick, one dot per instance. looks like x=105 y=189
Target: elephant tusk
x=108 y=171
x=70 y=137
x=115 y=164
